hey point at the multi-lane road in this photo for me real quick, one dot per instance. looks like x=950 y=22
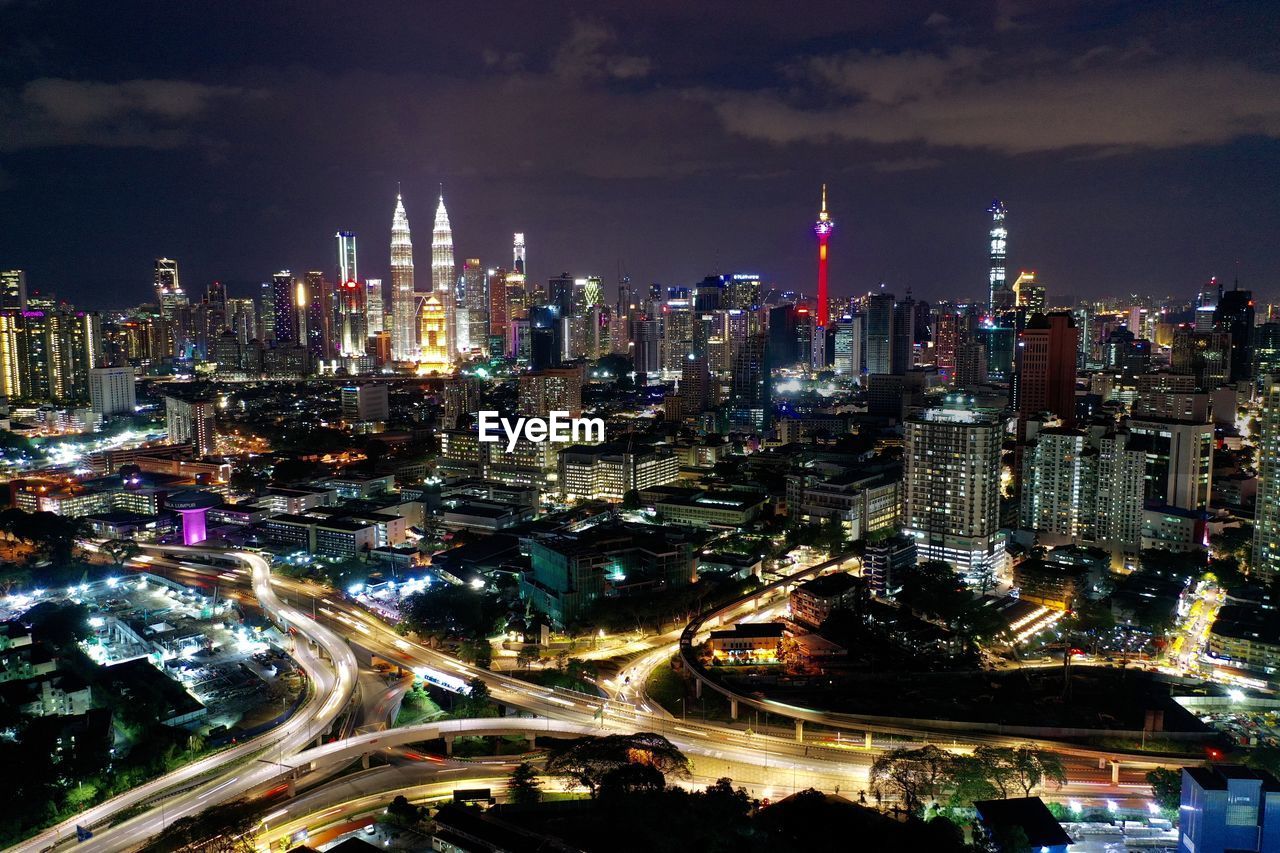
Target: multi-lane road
x=331 y=670
x=324 y=626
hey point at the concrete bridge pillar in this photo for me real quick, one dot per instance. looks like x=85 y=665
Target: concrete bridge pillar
x=1115 y=773
x=733 y=709
x=364 y=761
x=448 y=744
x=800 y=730
x=868 y=740
x=532 y=740
x=291 y=789
x=697 y=687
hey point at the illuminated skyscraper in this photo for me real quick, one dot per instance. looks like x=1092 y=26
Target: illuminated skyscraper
x=375 y=318
x=951 y=487
x=404 y=319
x=352 y=323
x=348 y=270
x=282 y=306
x=434 y=356
x=474 y=331
x=999 y=295
x=518 y=253
x=443 y=278
x=823 y=228
x=13 y=289
x=1266 y=535
x=499 y=316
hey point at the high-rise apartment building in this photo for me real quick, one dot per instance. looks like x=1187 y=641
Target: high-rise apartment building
x=1060 y=485
x=191 y=421
x=554 y=389
x=1266 y=536
x=951 y=487
x=111 y=391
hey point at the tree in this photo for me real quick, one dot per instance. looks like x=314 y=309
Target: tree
x=631 y=500
x=528 y=656
x=588 y=760
x=626 y=781
x=968 y=779
x=1166 y=787
x=1033 y=768
x=121 y=551
x=523 y=785
x=477 y=702
x=934 y=589
x=915 y=777
x=218 y=829
x=404 y=813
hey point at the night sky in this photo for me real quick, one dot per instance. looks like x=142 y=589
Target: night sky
x=1135 y=144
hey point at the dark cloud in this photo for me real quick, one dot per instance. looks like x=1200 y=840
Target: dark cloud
x=134 y=113
x=968 y=98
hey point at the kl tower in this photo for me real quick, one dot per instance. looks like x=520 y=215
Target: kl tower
x=823 y=228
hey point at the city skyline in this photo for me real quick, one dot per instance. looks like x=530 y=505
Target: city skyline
x=1152 y=205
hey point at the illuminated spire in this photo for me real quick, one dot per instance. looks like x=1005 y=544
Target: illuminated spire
x=404 y=319
x=444 y=280
x=823 y=228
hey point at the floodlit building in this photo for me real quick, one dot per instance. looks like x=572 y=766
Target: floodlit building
x=951 y=483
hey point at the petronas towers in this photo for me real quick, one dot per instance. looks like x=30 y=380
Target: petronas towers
x=405 y=300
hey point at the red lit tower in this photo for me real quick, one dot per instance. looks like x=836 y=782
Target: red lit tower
x=823 y=229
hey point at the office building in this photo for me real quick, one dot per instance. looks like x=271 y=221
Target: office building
x=1000 y=297
x=404 y=311
x=111 y=391
x=474 y=332
x=365 y=403
x=880 y=333
x=375 y=317
x=608 y=471
x=951 y=484
x=433 y=353
x=1228 y=808
x=1045 y=378
x=444 y=279
x=1234 y=317
x=13 y=290
x=283 y=293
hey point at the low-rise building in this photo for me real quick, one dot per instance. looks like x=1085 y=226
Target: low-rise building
x=813 y=601
x=747 y=643
x=1050 y=584
x=571 y=571
x=1247 y=637
x=608 y=471
x=712 y=509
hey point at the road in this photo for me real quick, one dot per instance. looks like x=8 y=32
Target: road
x=640 y=714
x=331 y=681
x=768 y=761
